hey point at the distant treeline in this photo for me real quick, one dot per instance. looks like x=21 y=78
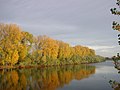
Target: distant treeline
x=18 y=47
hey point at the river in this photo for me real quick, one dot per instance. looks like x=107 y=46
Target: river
x=71 y=77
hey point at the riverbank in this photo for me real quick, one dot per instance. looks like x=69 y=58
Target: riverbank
x=39 y=66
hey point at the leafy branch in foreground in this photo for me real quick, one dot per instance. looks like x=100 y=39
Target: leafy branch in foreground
x=116 y=26
x=115 y=11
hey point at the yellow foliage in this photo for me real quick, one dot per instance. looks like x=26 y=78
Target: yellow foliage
x=11 y=43
x=22 y=52
x=83 y=51
x=64 y=50
x=16 y=45
x=48 y=46
x=15 y=57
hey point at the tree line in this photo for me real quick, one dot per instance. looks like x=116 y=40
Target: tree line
x=18 y=47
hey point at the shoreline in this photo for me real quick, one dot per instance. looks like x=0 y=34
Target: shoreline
x=38 y=66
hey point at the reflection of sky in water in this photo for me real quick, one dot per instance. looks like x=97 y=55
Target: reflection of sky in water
x=105 y=70
x=99 y=81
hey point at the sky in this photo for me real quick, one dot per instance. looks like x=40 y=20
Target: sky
x=77 y=22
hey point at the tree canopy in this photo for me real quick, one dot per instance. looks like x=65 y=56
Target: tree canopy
x=22 y=48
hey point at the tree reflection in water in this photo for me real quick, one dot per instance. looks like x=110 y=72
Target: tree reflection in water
x=43 y=78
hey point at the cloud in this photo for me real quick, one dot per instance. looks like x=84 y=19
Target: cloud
x=49 y=28
x=102 y=47
x=105 y=70
x=109 y=51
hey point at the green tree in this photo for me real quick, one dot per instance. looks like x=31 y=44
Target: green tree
x=116 y=26
x=115 y=11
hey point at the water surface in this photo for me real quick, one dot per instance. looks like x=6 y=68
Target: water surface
x=104 y=72
x=71 y=77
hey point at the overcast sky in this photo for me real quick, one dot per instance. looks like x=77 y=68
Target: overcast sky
x=77 y=22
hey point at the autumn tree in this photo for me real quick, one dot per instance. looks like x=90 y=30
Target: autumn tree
x=46 y=49
x=13 y=44
x=10 y=35
x=25 y=45
x=81 y=54
x=22 y=48
x=64 y=52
